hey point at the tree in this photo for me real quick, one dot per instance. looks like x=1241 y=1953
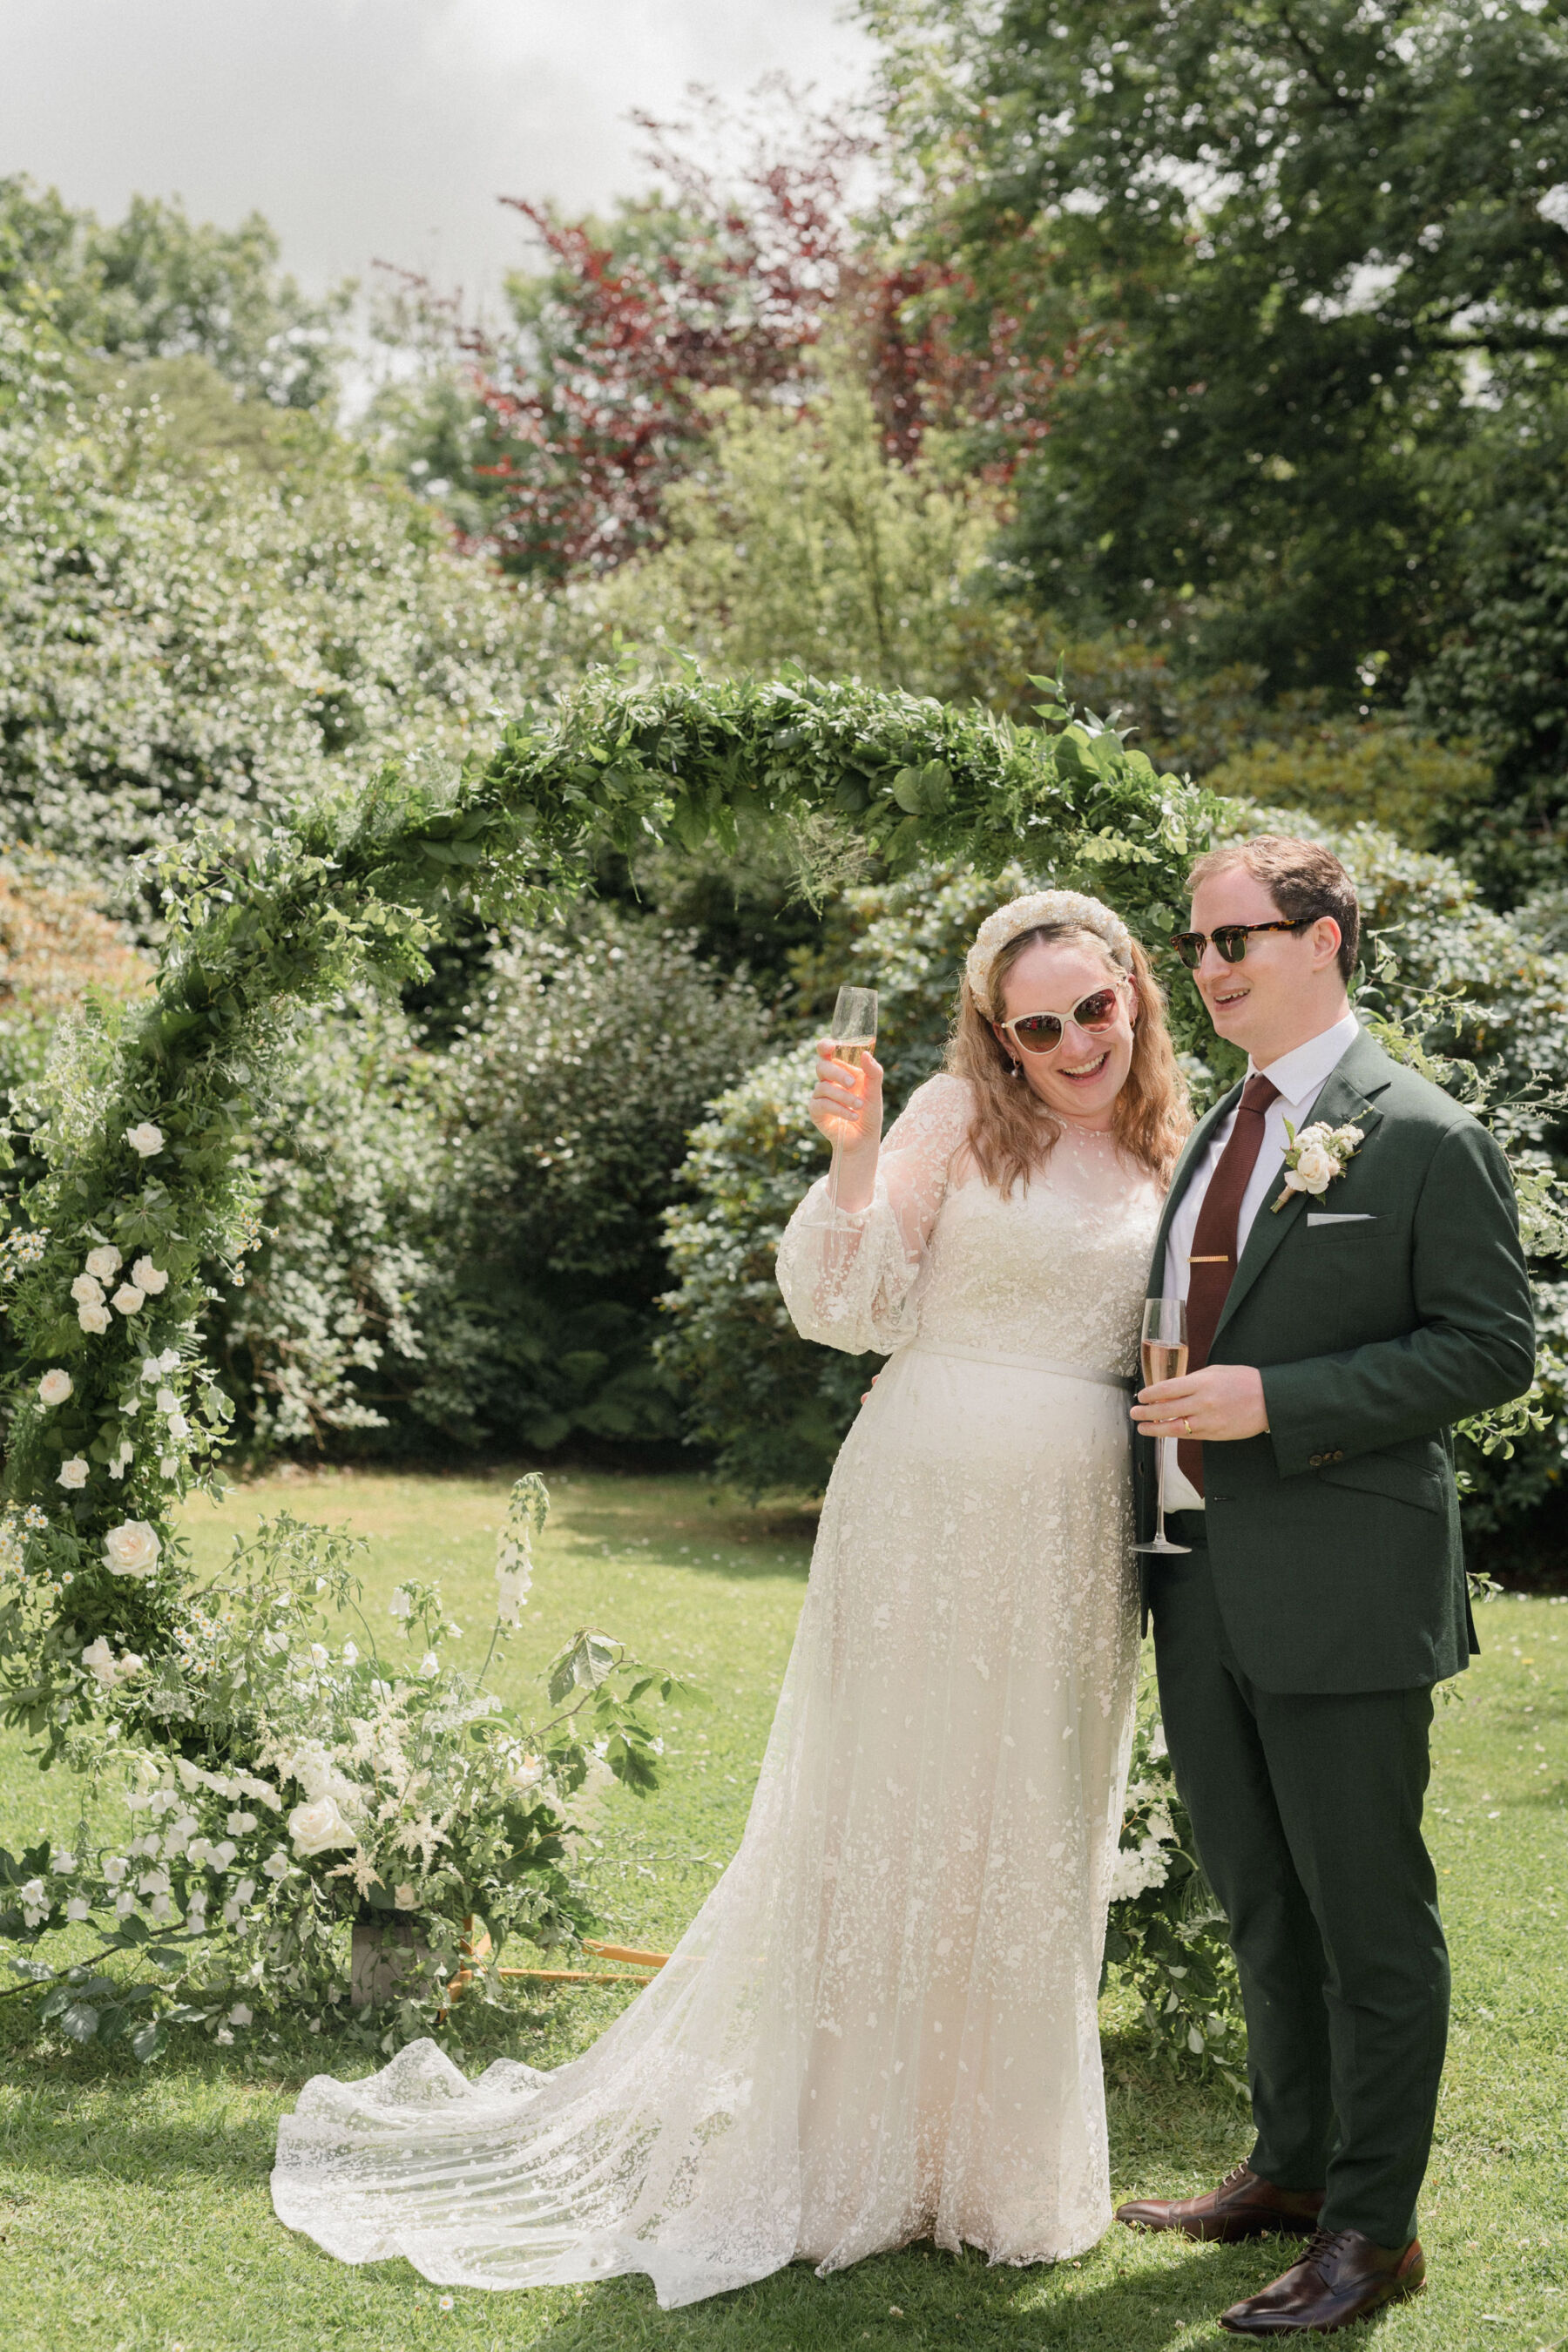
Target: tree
x=594 y=398
x=157 y=284
x=187 y=634
x=1500 y=671
x=579 y=415
x=1288 y=243
x=800 y=539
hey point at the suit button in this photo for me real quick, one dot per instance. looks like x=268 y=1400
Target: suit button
x=1314 y=1460
x=1337 y=1458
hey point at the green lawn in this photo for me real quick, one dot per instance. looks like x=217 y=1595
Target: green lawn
x=134 y=2207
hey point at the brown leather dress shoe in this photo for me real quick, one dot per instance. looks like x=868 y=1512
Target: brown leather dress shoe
x=1243 y=2205
x=1341 y=2277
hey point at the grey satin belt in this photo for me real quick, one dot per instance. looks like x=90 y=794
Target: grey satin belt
x=1024 y=1363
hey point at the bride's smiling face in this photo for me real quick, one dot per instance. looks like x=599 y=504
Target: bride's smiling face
x=1081 y=1079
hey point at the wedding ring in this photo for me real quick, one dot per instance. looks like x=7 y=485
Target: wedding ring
x=1187 y=1426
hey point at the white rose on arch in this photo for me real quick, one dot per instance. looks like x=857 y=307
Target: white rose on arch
x=146 y=1140
x=133 y=1549
x=87 y=1290
x=93 y=1317
x=102 y=1664
x=318 y=1826
x=55 y=1387
x=104 y=1263
x=73 y=1475
x=149 y=1278
x=129 y=1300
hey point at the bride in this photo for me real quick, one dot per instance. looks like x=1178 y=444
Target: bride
x=881 y=2025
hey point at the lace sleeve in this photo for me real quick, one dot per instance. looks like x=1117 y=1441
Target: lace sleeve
x=846 y=1275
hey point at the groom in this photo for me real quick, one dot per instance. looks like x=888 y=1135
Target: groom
x=1335 y=1335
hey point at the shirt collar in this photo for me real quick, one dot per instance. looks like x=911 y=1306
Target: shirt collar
x=1302 y=1073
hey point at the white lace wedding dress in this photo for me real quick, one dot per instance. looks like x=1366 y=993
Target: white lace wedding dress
x=881 y=2025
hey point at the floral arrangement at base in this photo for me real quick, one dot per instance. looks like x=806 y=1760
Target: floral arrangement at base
x=1166 y=1935
x=314 y=1829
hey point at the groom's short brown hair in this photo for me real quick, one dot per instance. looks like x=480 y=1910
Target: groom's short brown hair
x=1303 y=878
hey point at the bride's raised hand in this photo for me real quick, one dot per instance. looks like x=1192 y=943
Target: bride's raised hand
x=846 y=1104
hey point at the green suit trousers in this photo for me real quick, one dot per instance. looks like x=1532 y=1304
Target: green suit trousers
x=1306 y=1812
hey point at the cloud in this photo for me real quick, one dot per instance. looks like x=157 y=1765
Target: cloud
x=379 y=129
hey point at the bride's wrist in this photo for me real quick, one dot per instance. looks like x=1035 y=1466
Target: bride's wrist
x=856 y=1187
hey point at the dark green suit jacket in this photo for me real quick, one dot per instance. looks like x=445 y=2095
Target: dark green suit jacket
x=1334 y=1539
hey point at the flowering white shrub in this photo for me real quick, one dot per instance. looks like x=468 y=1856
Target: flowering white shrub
x=179 y=643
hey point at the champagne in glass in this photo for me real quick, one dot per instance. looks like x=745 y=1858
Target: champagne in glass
x=853 y=1035
x=1164 y=1352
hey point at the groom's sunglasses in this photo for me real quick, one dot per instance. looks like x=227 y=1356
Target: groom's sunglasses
x=1230 y=939
x=1042 y=1033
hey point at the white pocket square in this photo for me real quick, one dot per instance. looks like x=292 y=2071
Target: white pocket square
x=1345 y=1217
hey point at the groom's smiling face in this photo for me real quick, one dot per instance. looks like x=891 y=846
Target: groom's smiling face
x=1285 y=989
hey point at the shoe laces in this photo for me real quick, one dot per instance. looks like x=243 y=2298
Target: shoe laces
x=1236 y=2176
x=1322 y=2246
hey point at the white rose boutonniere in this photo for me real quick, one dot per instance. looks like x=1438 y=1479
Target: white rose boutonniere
x=133 y=1549
x=1315 y=1157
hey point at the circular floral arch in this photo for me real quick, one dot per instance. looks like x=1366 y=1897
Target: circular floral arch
x=135 y=1210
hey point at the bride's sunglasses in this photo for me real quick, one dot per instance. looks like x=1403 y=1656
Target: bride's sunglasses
x=1042 y=1033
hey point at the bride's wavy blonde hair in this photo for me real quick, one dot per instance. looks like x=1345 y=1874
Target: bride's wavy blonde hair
x=1013 y=1132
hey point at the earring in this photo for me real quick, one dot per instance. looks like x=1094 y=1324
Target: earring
x=1017 y=1069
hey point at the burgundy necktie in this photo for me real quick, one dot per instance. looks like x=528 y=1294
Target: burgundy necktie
x=1212 y=1267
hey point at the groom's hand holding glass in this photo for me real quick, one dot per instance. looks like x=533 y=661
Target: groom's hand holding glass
x=1217 y=1405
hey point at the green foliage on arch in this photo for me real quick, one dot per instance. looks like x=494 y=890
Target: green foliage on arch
x=132 y=1139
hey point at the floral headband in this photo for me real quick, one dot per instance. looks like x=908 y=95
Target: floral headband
x=1041 y=907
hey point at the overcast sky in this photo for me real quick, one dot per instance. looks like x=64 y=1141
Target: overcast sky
x=379 y=129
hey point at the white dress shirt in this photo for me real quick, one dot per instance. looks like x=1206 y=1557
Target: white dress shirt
x=1300 y=1075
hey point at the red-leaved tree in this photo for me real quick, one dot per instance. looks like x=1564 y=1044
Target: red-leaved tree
x=719 y=278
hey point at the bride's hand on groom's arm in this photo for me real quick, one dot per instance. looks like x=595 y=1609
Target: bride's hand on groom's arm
x=1223 y=1402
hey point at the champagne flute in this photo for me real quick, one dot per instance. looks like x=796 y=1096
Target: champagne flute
x=853 y=1035
x=1164 y=1352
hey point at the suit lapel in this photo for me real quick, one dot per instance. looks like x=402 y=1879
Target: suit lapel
x=1192 y=1150
x=1362 y=1071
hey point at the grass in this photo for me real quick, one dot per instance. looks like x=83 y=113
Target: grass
x=134 y=2214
